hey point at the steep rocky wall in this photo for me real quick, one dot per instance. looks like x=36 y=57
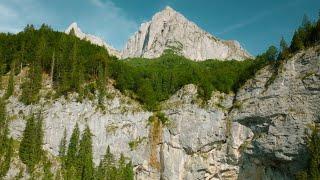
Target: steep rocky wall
x=258 y=133
x=279 y=115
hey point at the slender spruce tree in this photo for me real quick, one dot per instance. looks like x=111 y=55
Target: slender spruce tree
x=106 y=169
x=314 y=151
x=86 y=166
x=10 y=86
x=27 y=151
x=71 y=159
x=6 y=143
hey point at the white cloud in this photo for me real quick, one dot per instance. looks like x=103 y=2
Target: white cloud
x=97 y=3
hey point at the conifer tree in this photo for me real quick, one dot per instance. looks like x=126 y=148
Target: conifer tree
x=71 y=159
x=121 y=167
x=63 y=144
x=271 y=53
x=86 y=166
x=106 y=169
x=101 y=83
x=2 y=67
x=297 y=42
x=6 y=157
x=128 y=172
x=32 y=86
x=314 y=151
x=47 y=174
x=30 y=151
x=39 y=137
x=6 y=144
x=10 y=86
x=284 y=50
x=27 y=149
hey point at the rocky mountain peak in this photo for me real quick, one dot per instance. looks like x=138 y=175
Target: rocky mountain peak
x=169 y=29
x=91 y=38
x=77 y=30
x=168 y=11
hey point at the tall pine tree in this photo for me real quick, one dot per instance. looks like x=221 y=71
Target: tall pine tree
x=314 y=151
x=86 y=166
x=30 y=151
x=73 y=148
x=297 y=42
x=6 y=143
x=32 y=85
x=106 y=169
x=10 y=85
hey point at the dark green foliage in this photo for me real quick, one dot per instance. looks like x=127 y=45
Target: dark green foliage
x=101 y=85
x=2 y=69
x=313 y=146
x=307 y=35
x=128 y=172
x=284 y=50
x=155 y=80
x=63 y=145
x=10 y=86
x=30 y=151
x=314 y=151
x=271 y=54
x=106 y=167
x=31 y=87
x=297 y=42
x=76 y=61
x=109 y=169
x=71 y=159
x=85 y=156
x=7 y=156
x=47 y=174
x=6 y=144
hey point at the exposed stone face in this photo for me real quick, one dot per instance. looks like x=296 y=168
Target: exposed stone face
x=258 y=133
x=93 y=39
x=279 y=115
x=169 y=29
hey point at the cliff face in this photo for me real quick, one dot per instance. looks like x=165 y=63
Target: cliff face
x=257 y=133
x=169 y=29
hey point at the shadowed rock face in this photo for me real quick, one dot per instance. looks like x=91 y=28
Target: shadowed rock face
x=258 y=133
x=169 y=29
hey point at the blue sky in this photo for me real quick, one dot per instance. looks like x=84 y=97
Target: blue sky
x=255 y=23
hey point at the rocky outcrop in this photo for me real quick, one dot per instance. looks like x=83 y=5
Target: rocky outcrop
x=257 y=133
x=91 y=38
x=279 y=115
x=169 y=29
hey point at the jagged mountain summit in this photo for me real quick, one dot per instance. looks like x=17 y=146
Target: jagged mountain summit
x=93 y=39
x=169 y=29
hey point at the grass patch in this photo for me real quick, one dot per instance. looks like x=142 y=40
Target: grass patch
x=135 y=143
